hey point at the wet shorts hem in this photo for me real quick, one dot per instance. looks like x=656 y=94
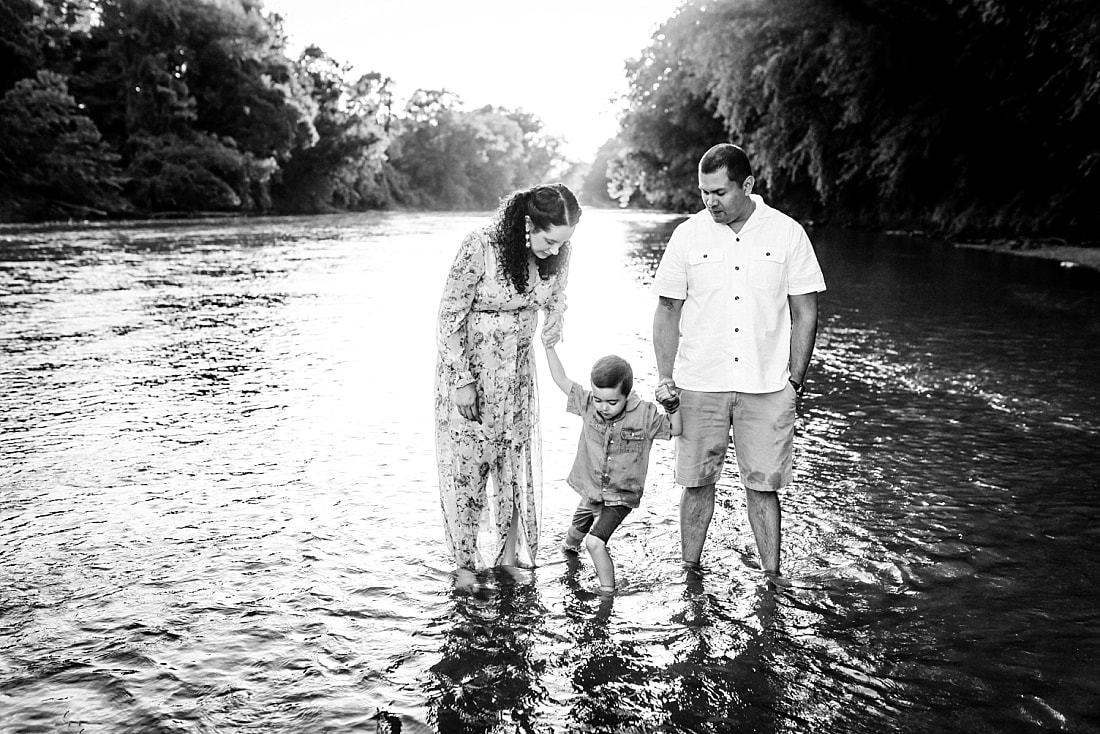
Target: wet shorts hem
x=757 y=487
x=693 y=482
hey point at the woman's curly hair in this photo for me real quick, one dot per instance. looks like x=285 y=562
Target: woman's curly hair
x=548 y=206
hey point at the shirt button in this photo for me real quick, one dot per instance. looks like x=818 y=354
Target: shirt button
x=737 y=298
x=736 y=267
x=736 y=329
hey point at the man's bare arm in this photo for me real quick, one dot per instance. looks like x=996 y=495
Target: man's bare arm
x=666 y=335
x=803 y=333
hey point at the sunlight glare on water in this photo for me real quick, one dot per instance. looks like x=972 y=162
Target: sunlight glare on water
x=220 y=513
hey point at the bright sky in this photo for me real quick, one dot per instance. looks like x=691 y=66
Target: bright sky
x=563 y=62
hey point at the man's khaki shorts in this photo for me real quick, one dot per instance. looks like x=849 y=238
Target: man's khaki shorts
x=763 y=437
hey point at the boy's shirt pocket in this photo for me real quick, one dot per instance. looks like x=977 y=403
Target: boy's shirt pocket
x=631 y=440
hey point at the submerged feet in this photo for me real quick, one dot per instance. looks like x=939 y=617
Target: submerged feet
x=572 y=555
x=466 y=581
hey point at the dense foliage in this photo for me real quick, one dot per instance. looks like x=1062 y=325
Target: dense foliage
x=975 y=116
x=139 y=107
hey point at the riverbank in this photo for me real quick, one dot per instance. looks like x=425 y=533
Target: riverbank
x=1069 y=255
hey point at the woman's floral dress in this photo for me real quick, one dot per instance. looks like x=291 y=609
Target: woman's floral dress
x=485 y=334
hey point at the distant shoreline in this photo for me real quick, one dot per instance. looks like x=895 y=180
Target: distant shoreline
x=1067 y=255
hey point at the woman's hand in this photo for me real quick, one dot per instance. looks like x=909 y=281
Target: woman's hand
x=549 y=339
x=552 y=328
x=466 y=400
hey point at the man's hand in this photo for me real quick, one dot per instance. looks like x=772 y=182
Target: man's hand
x=668 y=396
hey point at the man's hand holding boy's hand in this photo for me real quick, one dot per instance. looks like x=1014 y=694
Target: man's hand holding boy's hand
x=669 y=397
x=550 y=337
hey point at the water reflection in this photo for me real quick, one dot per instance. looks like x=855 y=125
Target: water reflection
x=603 y=671
x=721 y=676
x=489 y=675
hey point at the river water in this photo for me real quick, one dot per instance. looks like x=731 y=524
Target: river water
x=218 y=505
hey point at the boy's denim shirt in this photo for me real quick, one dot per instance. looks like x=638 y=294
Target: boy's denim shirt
x=613 y=456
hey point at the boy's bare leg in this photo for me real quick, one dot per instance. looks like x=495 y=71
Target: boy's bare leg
x=601 y=559
x=696 y=511
x=573 y=538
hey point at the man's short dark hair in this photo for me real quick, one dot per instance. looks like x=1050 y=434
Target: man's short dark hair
x=728 y=156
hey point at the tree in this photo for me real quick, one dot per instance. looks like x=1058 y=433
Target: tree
x=344 y=165
x=53 y=162
x=847 y=114
x=668 y=124
x=450 y=158
x=594 y=188
x=20 y=44
x=192 y=77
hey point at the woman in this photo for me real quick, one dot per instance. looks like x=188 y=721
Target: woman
x=486 y=402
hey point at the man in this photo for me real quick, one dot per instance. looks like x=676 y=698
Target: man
x=737 y=314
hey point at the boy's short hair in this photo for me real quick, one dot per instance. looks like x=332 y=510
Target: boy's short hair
x=613 y=371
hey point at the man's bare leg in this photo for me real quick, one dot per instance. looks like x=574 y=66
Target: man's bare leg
x=765 y=520
x=696 y=511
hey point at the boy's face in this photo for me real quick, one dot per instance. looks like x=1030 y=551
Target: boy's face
x=610 y=403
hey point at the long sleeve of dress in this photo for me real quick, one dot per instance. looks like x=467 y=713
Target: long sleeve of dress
x=555 y=308
x=466 y=272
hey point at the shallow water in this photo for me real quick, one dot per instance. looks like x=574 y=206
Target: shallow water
x=218 y=509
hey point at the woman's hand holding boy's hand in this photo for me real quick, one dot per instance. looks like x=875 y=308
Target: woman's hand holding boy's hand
x=668 y=397
x=552 y=328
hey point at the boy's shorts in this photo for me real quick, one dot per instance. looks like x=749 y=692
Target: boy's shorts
x=763 y=437
x=599 y=519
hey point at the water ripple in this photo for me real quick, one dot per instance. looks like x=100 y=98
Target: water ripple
x=218 y=508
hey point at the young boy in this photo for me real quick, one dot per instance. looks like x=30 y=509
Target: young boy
x=613 y=452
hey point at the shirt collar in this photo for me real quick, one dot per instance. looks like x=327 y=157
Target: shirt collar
x=632 y=401
x=759 y=215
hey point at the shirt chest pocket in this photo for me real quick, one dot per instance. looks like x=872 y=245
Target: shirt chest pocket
x=631 y=440
x=768 y=270
x=706 y=269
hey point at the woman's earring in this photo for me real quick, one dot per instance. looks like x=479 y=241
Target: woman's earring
x=528 y=240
